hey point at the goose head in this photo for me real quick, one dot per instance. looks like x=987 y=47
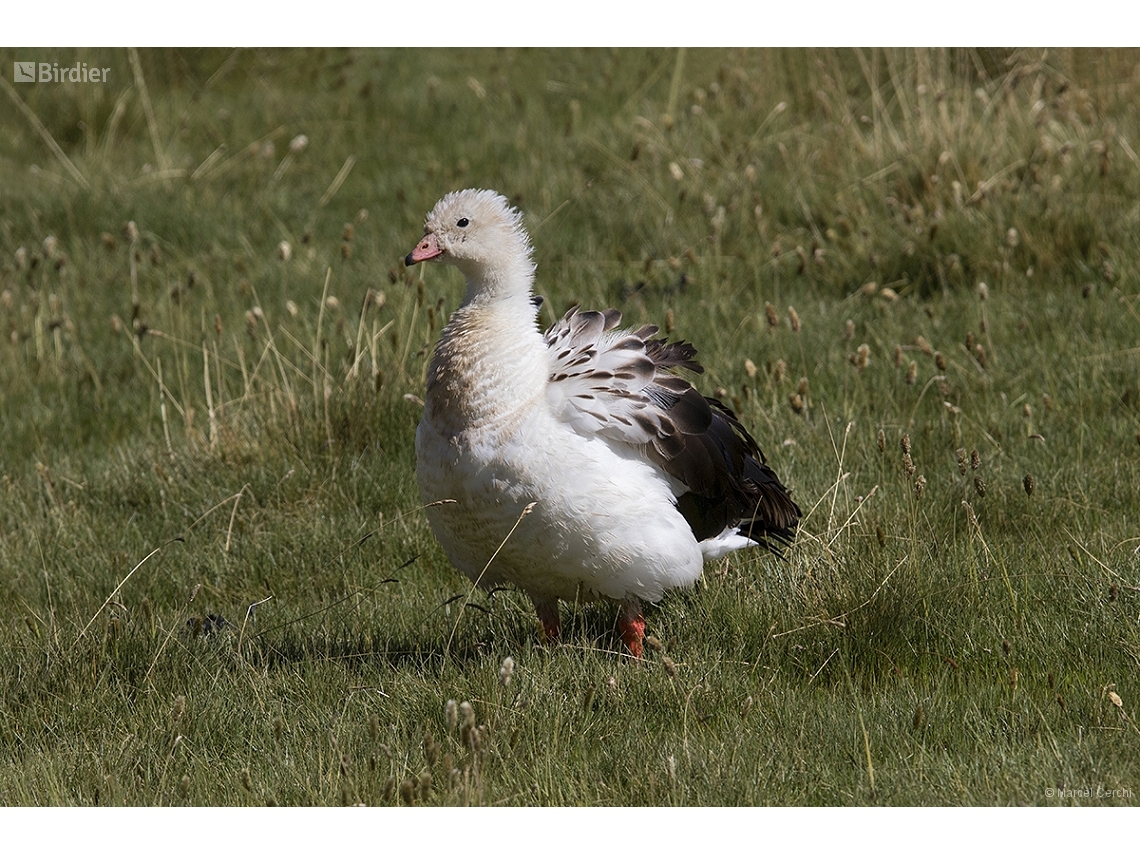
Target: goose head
x=480 y=233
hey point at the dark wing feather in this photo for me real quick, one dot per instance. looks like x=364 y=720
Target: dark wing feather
x=622 y=385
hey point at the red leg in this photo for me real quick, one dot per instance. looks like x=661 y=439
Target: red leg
x=632 y=627
x=548 y=615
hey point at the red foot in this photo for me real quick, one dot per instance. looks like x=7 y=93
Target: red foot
x=548 y=616
x=632 y=628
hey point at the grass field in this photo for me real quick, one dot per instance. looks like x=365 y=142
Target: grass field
x=912 y=273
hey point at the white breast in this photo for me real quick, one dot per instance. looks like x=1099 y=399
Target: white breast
x=603 y=522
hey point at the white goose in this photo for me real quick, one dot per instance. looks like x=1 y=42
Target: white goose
x=632 y=478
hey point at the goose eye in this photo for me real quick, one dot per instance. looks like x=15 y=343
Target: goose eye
x=462 y=222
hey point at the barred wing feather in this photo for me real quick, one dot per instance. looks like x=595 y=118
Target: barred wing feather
x=623 y=386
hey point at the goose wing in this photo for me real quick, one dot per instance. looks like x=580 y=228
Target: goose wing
x=623 y=385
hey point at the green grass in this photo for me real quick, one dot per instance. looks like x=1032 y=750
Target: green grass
x=218 y=586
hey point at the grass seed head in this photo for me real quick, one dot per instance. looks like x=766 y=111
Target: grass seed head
x=881 y=441
x=408 y=791
x=983 y=291
x=975 y=459
x=451 y=714
x=849 y=330
x=908 y=465
x=750 y=368
x=898 y=356
x=778 y=371
x=1028 y=483
x=924 y=346
x=284 y=250
x=904 y=443
x=970 y=515
x=770 y=314
x=940 y=360
x=961 y=461
x=979 y=485
x=669 y=665
x=911 y=373
x=794 y=318
x=506 y=671
x=919 y=486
